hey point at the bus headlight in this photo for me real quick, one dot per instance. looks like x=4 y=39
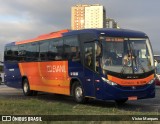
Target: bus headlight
x=152 y=81
x=108 y=81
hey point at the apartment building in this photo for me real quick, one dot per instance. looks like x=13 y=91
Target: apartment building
x=111 y=23
x=88 y=16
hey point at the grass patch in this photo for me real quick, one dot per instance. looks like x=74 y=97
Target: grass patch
x=53 y=106
x=40 y=106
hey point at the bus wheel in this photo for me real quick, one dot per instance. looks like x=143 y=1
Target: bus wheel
x=26 y=88
x=121 y=101
x=78 y=93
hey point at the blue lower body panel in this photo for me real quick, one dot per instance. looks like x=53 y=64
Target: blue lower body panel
x=117 y=93
x=12 y=75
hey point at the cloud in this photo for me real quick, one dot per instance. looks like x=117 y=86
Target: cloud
x=25 y=19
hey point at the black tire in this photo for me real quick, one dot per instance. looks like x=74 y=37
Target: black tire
x=78 y=93
x=121 y=101
x=26 y=88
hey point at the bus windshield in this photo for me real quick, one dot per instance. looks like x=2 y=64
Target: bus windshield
x=127 y=55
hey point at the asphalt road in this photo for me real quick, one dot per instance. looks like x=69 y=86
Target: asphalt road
x=146 y=105
x=7 y=91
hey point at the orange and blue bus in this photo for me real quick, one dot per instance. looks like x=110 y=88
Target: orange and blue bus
x=102 y=64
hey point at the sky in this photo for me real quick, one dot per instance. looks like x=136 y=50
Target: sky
x=26 y=19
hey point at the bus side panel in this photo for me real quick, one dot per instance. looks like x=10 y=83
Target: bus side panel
x=47 y=76
x=12 y=76
x=85 y=77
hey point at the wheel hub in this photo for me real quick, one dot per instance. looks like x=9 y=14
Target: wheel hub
x=25 y=87
x=78 y=92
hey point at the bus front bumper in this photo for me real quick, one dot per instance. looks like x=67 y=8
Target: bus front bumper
x=119 y=92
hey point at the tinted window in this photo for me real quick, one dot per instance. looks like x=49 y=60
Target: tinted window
x=7 y=54
x=22 y=52
x=11 y=53
x=44 y=45
x=55 y=49
x=32 y=53
x=8 y=51
x=71 y=48
x=14 y=50
x=88 y=56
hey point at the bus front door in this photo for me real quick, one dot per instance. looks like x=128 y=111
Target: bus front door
x=89 y=64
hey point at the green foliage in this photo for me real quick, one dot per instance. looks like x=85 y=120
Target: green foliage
x=1 y=68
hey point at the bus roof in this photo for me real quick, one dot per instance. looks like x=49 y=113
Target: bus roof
x=104 y=31
x=110 y=32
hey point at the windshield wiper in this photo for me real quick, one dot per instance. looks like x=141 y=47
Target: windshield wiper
x=129 y=54
x=140 y=64
x=135 y=60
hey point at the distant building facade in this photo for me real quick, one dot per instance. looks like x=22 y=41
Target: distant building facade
x=1 y=56
x=88 y=16
x=78 y=17
x=111 y=23
x=95 y=16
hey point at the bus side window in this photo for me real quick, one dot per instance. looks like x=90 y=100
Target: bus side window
x=32 y=52
x=55 y=49
x=44 y=50
x=7 y=54
x=71 y=48
x=13 y=53
x=98 y=54
x=89 y=55
x=22 y=52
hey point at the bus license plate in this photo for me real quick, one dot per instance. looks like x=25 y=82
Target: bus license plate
x=132 y=98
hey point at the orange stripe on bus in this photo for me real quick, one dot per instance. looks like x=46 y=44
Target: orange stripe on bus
x=56 y=86
x=131 y=82
x=51 y=89
x=44 y=37
x=47 y=74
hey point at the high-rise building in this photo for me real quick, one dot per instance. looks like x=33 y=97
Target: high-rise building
x=88 y=16
x=111 y=23
x=78 y=17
